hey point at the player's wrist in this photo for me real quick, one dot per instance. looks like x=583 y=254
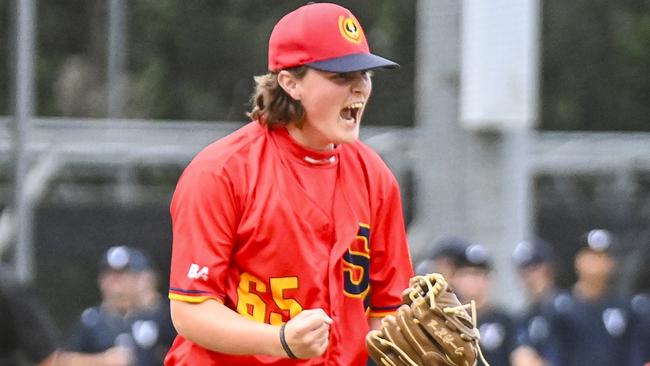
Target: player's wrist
x=272 y=345
x=283 y=342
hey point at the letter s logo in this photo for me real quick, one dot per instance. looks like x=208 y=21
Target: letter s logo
x=356 y=265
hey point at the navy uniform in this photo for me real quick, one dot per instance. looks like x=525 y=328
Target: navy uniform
x=497 y=336
x=537 y=326
x=148 y=333
x=26 y=331
x=594 y=332
x=496 y=326
x=640 y=333
x=640 y=308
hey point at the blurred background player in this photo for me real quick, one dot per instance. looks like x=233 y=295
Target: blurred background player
x=536 y=338
x=28 y=335
x=471 y=281
x=26 y=331
x=130 y=317
x=593 y=322
x=288 y=235
x=640 y=308
x=444 y=257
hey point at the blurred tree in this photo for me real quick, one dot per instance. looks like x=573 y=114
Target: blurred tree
x=596 y=62
x=196 y=59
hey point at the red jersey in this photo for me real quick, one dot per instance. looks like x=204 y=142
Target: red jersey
x=248 y=233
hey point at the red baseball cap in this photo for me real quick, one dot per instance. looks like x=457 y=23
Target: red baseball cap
x=323 y=36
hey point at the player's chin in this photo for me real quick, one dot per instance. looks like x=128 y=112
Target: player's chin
x=347 y=137
x=348 y=132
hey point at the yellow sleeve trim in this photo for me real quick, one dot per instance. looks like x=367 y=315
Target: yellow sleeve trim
x=192 y=299
x=380 y=314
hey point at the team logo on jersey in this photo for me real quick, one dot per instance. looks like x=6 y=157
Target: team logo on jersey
x=538 y=329
x=350 y=29
x=145 y=333
x=356 y=265
x=615 y=321
x=197 y=272
x=492 y=335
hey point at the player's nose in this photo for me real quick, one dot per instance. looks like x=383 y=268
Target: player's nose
x=361 y=83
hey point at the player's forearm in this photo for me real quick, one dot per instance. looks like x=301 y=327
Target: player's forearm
x=214 y=326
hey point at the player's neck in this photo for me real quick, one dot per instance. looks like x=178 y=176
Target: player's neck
x=308 y=139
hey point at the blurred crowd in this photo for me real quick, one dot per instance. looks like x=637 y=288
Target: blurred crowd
x=588 y=324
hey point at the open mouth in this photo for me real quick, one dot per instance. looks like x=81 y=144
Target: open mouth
x=351 y=112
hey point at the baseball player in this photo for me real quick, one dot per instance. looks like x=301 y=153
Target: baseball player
x=640 y=309
x=143 y=332
x=594 y=322
x=288 y=236
x=29 y=335
x=537 y=326
x=472 y=281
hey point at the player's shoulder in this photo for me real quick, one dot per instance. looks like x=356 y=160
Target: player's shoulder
x=226 y=150
x=363 y=151
x=564 y=303
x=92 y=317
x=366 y=157
x=640 y=304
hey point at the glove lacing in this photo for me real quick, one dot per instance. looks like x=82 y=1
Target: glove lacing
x=388 y=362
x=435 y=289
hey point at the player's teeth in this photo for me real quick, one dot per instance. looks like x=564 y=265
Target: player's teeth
x=346 y=113
x=356 y=105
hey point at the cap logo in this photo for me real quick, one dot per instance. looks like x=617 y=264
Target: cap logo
x=350 y=29
x=598 y=240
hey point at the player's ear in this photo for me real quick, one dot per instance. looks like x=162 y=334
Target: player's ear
x=289 y=83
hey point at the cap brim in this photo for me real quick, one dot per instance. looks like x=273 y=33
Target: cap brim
x=354 y=62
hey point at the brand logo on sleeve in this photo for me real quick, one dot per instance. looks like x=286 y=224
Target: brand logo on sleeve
x=197 y=272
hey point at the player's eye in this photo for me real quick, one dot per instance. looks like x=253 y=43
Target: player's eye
x=367 y=74
x=347 y=76
x=343 y=75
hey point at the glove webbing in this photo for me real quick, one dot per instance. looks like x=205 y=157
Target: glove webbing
x=433 y=291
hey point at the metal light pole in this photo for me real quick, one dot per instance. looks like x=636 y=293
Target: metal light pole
x=23 y=112
x=116 y=51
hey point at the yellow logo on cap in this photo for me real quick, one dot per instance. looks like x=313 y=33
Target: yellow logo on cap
x=350 y=29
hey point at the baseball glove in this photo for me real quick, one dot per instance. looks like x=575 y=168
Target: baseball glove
x=432 y=328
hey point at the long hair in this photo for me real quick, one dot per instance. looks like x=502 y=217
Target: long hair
x=271 y=105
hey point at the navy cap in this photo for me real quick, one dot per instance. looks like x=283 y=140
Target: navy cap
x=450 y=247
x=476 y=255
x=124 y=258
x=531 y=252
x=598 y=240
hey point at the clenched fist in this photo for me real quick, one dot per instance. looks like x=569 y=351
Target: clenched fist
x=307 y=334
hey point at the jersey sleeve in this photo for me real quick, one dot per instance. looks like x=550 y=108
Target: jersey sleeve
x=204 y=220
x=391 y=266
